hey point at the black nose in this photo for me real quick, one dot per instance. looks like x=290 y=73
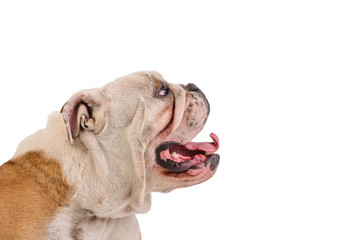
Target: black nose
x=191 y=87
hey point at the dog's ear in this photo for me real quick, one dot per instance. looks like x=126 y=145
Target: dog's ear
x=81 y=112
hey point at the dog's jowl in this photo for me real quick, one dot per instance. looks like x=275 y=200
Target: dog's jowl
x=95 y=165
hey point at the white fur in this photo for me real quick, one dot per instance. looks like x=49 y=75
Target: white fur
x=79 y=162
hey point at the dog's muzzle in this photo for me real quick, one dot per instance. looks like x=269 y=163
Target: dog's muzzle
x=178 y=157
x=193 y=89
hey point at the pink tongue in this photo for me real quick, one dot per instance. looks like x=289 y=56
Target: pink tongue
x=204 y=146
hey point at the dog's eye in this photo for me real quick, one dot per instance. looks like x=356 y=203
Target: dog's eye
x=164 y=90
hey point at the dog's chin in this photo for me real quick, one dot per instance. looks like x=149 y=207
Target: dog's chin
x=188 y=160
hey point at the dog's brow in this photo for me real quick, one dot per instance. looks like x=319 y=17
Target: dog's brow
x=157 y=84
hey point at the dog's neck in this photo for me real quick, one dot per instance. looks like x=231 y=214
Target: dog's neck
x=52 y=144
x=101 y=193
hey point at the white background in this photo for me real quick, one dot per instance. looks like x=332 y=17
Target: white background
x=281 y=77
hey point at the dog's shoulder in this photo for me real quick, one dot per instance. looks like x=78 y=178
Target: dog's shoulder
x=32 y=190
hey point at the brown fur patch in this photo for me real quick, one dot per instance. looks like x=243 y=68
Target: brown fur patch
x=48 y=175
x=32 y=189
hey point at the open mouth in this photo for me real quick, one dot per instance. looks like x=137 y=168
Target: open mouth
x=181 y=158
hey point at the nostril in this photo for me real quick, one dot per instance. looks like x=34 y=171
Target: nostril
x=191 y=87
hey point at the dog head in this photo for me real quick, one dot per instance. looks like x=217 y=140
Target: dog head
x=139 y=129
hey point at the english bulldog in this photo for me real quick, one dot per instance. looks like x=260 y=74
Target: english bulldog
x=95 y=165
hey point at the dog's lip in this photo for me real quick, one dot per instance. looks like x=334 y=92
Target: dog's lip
x=190 y=156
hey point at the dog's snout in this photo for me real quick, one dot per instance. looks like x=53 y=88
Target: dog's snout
x=191 y=87
x=193 y=90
